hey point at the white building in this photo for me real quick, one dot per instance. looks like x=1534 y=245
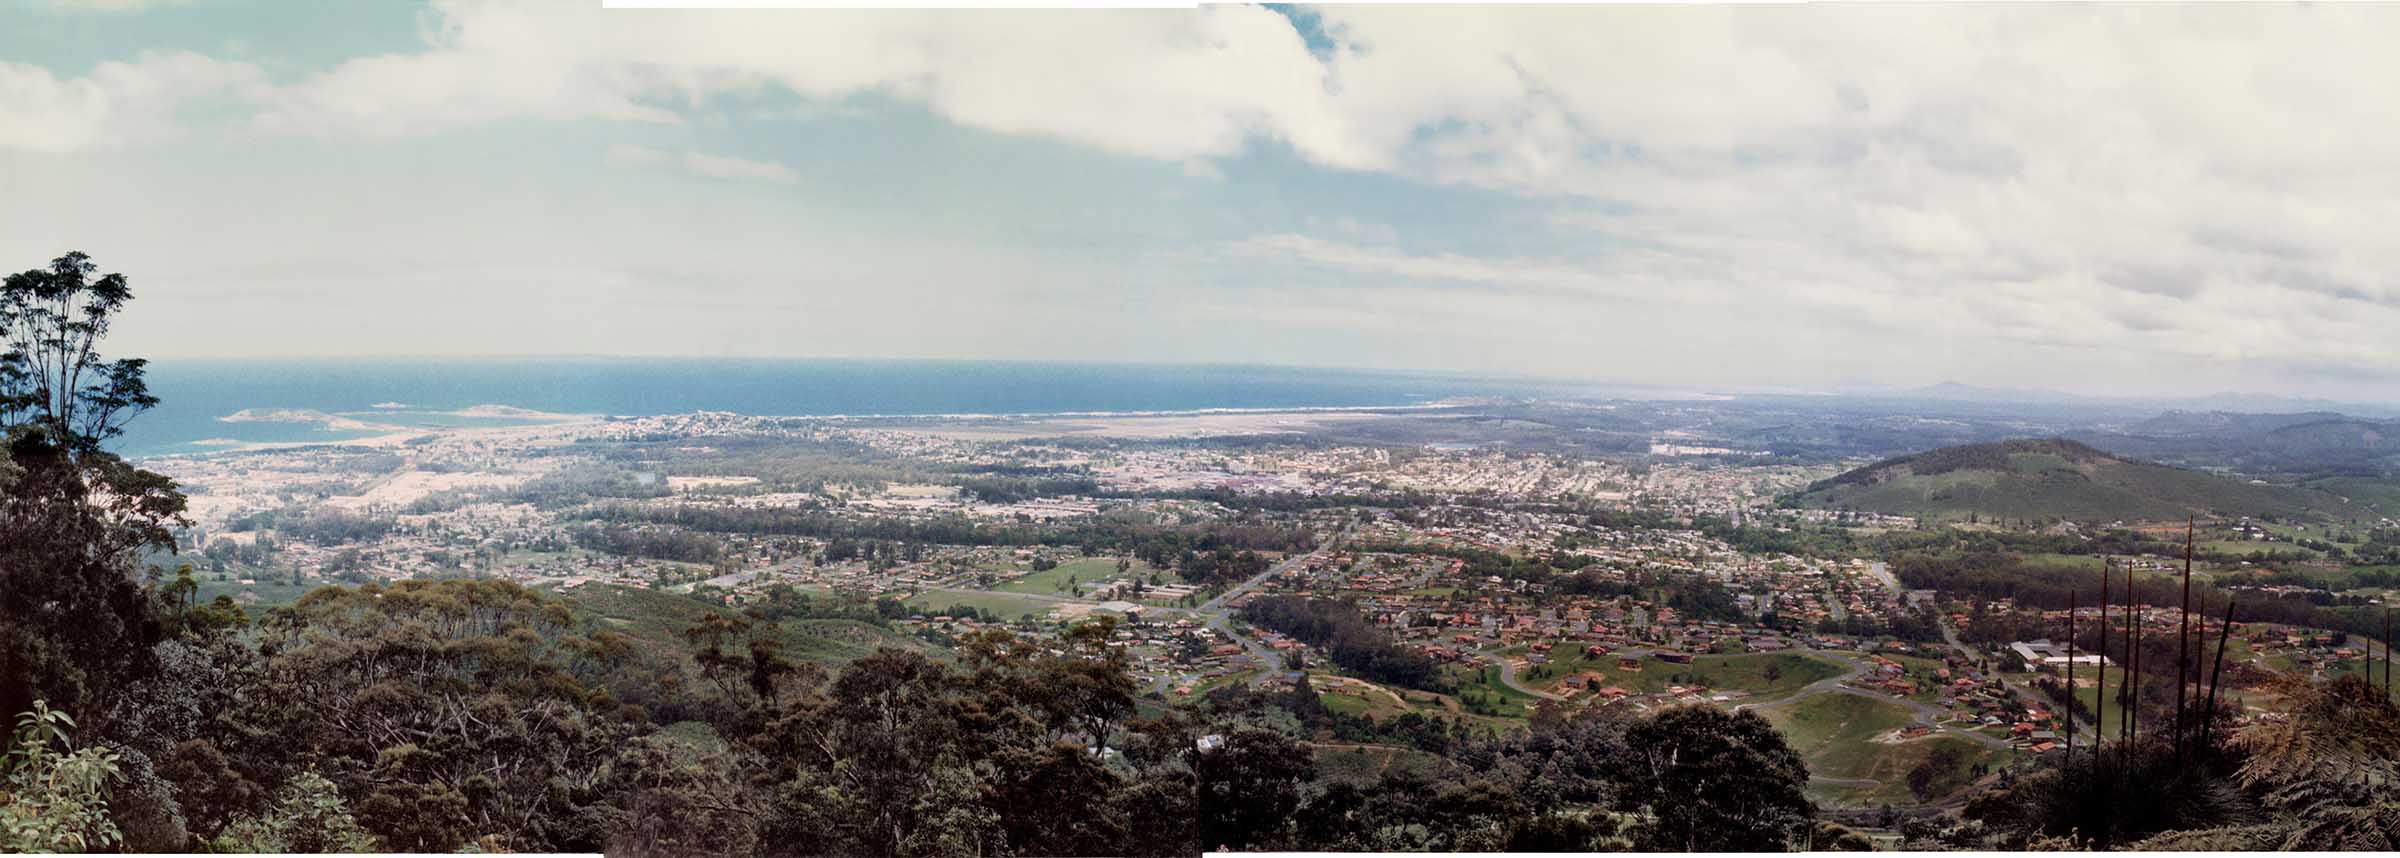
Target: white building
x=2046 y=653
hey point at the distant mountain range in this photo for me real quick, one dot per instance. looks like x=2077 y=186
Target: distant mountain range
x=2058 y=478
x=2311 y=443
x=2216 y=402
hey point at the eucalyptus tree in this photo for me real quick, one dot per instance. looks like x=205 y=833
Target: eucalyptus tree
x=75 y=519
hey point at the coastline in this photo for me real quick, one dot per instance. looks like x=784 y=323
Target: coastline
x=1148 y=423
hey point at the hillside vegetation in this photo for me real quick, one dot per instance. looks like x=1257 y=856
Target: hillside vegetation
x=2055 y=478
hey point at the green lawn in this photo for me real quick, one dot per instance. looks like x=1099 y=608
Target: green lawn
x=2244 y=547
x=2087 y=562
x=2089 y=692
x=1080 y=574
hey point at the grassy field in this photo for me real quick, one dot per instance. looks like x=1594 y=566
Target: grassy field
x=1484 y=683
x=1202 y=688
x=1718 y=672
x=2089 y=691
x=2244 y=547
x=1373 y=701
x=1006 y=606
x=1831 y=731
x=2087 y=562
x=1076 y=574
x=1891 y=764
x=1356 y=704
x=1834 y=733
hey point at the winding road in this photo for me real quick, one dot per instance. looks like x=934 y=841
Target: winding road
x=1217 y=616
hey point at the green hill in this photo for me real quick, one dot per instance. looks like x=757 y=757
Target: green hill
x=2057 y=479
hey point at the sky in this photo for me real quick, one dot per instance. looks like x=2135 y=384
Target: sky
x=2151 y=200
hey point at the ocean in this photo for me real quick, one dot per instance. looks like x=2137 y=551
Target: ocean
x=217 y=404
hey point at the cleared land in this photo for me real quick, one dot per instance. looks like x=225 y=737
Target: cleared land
x=1764 y=675
x=1071 y=578
x=1006 y=606
x=661 y=618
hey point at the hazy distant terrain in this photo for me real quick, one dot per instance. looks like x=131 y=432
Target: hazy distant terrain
x=2059 y=479
x=2312 y=443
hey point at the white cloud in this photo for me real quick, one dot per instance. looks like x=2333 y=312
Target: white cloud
x=703 y=164
x=2024 y=187
x=721 y=167
x=1526 y=275
x=117 y=103
x=1201 y=84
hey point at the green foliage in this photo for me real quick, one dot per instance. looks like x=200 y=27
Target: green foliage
x=1249 y=788
x=683 y=796
x=54 y=798
x=52 y=377
x=73 y=622
x=1715 y=781
x=1348 y=638
x=308 y=815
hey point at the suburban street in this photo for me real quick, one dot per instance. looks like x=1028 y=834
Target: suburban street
x=1216 y=614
